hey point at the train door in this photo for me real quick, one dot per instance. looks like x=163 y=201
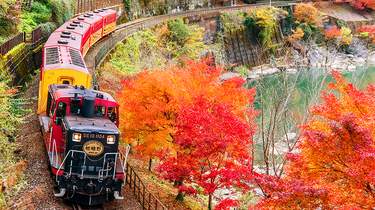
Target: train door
x=57 y=134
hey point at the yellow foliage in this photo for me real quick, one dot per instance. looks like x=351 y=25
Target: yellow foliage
x=12 y=53
x=266 y=19
x=346 y=36
x=297 y=35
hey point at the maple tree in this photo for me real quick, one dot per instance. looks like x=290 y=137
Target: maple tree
x=199 y=126
x=213 y=150
x=151 y=100
x=334 y=168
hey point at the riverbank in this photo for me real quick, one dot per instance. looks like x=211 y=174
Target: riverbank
x=317 y=57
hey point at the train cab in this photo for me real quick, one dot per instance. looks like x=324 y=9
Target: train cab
x=82 y=138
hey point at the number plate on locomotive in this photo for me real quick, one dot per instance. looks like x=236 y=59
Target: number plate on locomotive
x=93 y=148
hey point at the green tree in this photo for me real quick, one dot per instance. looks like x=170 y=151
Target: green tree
x=179 y=31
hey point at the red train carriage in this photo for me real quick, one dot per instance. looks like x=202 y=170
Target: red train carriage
x=96 y=26
x=79 y=125
x=109 y=20
x=77 y=28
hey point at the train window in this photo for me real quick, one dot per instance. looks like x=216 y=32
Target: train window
x=60 y=112
x=112 y=115
x=66 y=82
x=74 y=106
x=49 y=103
x=52 y=112
x=99 y=111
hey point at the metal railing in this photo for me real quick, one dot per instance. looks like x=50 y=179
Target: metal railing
x=145 y=197
x=25 y=56
x=12 y=42
x=37 y=36
x=36 y=39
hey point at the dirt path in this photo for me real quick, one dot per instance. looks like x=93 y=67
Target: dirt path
x=38 y=192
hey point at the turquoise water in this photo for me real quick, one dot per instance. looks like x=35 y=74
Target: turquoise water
x=302 y=89
x=283 y=101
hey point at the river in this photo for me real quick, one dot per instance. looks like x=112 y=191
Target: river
x=283 y=102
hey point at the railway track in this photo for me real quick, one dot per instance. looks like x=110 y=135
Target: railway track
x=154 y=20
x=101 y=49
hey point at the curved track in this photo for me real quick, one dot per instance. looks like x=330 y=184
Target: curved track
x=100 y=50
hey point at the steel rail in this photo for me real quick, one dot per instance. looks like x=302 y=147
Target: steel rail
x=122 y=31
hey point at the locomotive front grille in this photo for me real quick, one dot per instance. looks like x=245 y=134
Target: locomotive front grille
x=80 y=164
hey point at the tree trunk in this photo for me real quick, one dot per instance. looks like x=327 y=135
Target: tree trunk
x=209 y=202
x=180 y=195
x=150 y=164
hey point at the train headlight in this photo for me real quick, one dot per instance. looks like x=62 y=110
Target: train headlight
x=77 y=137
x=111 y=139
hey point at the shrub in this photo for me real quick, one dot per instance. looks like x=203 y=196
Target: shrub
x=232 y=21
x=263 y=21
x=39 y=13
x=306 y=13
x=178 y=31
x=10 y=118
x=9 y=17
x=47 y=28
x=62 y=10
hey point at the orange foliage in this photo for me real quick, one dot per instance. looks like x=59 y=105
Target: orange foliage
x=335 y=166
x=368 y=31
x=150 y=102
x=297 y=35
x=306 y=13
x=332 y=33
x=359 y=4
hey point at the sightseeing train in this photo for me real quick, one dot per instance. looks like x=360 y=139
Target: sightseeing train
x=79 y=123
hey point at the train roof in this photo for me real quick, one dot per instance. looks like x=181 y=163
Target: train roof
x=59 y=38
x=90 y=18
x=63 y=57
x=95 y=124
x=64 y=91
x=75 y=26
x=105 y=12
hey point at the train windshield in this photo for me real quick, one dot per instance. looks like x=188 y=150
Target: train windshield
x=109 y=112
